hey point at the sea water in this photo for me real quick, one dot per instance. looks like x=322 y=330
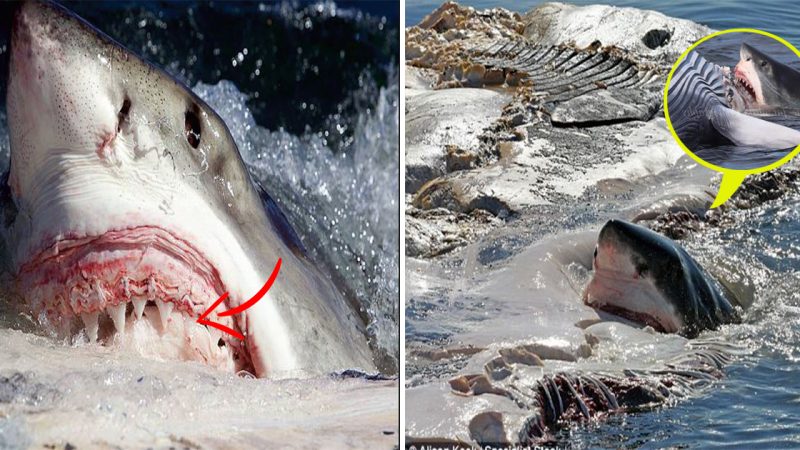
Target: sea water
x=777 y=17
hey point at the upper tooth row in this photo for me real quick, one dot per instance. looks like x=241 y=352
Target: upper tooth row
x=117 y=314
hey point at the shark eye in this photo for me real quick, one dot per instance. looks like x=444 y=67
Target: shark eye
x=122 y=115
x=641 y=269
x=192 y=128
x=763 y=63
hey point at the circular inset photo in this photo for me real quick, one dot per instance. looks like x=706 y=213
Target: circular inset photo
x=733 y=100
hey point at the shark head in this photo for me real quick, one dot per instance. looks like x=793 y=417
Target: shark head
x=764 y=81
x=133 y=212
x=647 y=278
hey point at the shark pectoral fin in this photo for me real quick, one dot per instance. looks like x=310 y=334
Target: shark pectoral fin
x=742 y=129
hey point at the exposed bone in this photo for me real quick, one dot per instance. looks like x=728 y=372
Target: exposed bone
x=551 y=406
x=610 y=397
x=556 y=394
x=581 y=404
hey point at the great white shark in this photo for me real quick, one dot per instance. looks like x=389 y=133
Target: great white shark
x=643 y=276
x=584 y=324
x=765 y=81
x=129 y=211
x=705 y=108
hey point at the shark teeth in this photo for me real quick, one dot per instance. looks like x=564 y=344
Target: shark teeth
x=98 y=328
x=138 y=307
x=164 y=310
x=90 y=322
x=117 y=314
x=741 y=81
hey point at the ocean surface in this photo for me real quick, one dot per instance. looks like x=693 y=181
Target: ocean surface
x=779 y=17
x=310 y=92
x=757 y=404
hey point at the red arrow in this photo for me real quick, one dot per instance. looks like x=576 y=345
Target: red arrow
x=202 y=320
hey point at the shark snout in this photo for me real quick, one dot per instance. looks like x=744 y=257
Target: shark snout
x=32 y=49
x=746 y=77
x=745 y=52
x=21 y=49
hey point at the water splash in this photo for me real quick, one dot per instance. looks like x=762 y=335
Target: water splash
x=343 y=203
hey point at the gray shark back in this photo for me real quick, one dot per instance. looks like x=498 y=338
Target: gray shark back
x=706 y=306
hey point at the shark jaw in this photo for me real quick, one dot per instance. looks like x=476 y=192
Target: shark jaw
x=124 y=230
x=646 y=277
x=621 y=288
x=140 y=288
x=746 y=79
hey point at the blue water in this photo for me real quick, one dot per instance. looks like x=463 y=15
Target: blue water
x=778 y=17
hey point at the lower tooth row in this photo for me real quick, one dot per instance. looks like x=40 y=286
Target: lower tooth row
x=164 y=310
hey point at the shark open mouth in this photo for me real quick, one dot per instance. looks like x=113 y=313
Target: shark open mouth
x=616 y=292
x=744 y=86
x=142 y=288
x=634 y=316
